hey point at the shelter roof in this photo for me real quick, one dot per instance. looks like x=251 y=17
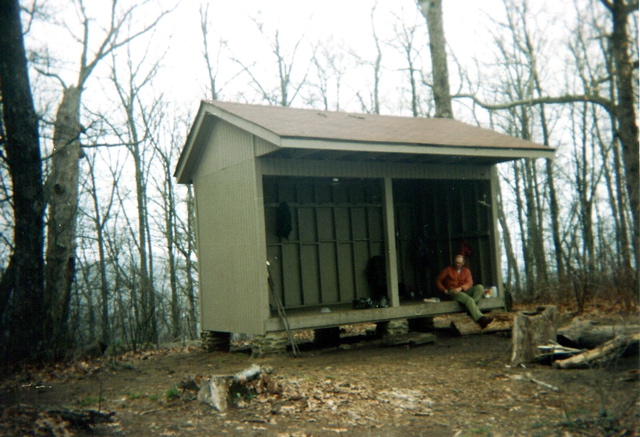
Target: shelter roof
x=329 y=134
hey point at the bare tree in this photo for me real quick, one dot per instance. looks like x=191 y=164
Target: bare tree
x=141 y=118
x=287 y=88
x=22 y=284
x=405 y=41
x=620 y=103
x=62 y=182
x=212 y=55
x=99 y=216
x=513 y=270
x=166 y=147
x=625 y=105
x=432 y=11
x=330 y=67
x=373 y=106
x=186 y=245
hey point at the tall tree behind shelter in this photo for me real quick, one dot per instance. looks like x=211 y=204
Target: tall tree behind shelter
x=432 y=11
x=22 y=284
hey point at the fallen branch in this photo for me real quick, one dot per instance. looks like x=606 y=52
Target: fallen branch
x=552 y=351
x=529 y=378
x=607 y=351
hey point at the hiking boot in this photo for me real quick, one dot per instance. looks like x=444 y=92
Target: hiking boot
x=484 y=321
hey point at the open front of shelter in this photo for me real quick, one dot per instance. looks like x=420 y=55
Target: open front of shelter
x=339 y=218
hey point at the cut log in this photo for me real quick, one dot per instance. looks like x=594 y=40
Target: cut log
x=531 y=329
x=607 y=351
x=222 y=391
x=585 y=334
x=529 y=377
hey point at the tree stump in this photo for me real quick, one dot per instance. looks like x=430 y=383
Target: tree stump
x=531 y=329
x=223 y=391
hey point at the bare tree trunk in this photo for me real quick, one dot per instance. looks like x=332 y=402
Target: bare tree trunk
x=534 y=226
x=621 y=196
x=621 y=10
x=189 y=265
x=432 y=11
x=22 y=284
x=523 y=222
x=512 y=262
x=62 y=197
x=166 y=187
x=374 y=106
x=99 y=220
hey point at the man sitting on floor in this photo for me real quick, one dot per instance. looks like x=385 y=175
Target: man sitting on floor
x=456 y=281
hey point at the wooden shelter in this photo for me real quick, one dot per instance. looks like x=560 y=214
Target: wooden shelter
x=343 y=207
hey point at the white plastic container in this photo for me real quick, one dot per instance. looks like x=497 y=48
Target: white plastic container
x=491 y=292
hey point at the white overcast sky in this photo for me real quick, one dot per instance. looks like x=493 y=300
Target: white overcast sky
x=346 y=23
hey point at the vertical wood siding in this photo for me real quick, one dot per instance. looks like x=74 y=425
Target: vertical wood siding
x=337 y=226
x=232 y=268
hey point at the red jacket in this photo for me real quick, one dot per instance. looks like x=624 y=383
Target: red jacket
x=449 y=279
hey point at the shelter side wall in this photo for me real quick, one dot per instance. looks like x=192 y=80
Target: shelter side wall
x=233 y=284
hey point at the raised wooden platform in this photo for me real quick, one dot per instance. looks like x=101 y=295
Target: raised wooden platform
x=345 y=315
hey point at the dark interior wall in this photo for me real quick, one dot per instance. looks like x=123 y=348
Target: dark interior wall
x=320 y=233
x=436 y=220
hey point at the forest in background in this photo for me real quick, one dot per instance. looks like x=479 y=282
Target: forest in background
x=97 y=242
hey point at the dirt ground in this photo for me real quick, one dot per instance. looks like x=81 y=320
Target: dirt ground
x=456 y=386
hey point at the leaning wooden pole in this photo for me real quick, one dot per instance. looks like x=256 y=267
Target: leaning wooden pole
x=283 y=316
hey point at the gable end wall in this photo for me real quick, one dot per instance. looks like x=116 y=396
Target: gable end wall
x=231 y=247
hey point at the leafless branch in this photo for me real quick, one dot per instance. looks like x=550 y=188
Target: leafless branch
x=585 y=98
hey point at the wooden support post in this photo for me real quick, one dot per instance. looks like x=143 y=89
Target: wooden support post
x=531 y=329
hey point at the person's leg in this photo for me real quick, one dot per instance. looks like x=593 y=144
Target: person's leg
x=470 y=304
x=476 y=292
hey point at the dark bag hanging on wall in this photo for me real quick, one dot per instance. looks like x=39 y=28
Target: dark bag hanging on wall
x=283 y=220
